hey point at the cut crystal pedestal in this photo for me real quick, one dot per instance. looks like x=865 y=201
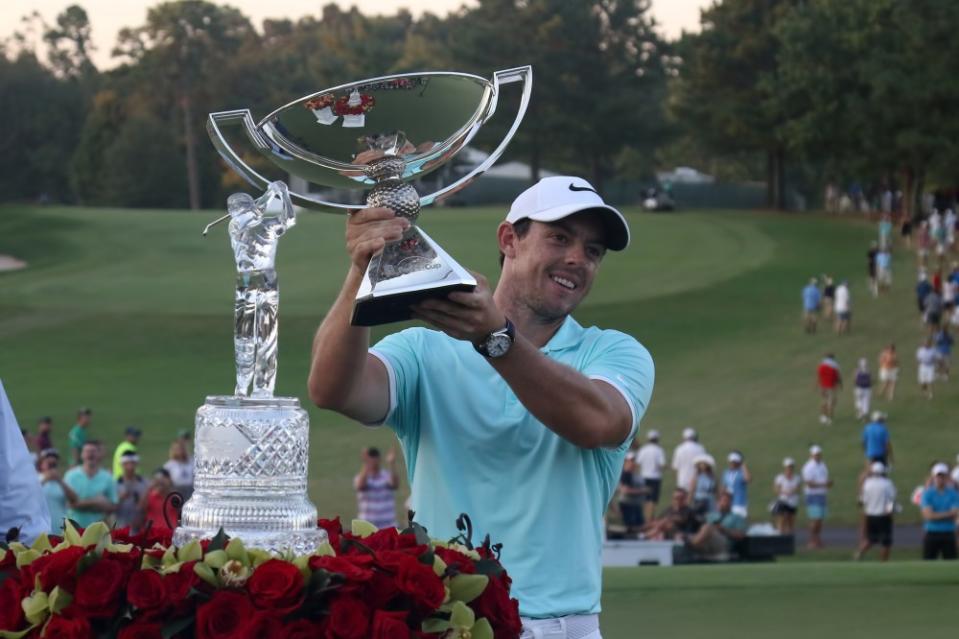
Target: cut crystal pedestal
x=250 y=475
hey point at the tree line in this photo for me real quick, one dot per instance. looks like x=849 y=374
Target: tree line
x=802 y=91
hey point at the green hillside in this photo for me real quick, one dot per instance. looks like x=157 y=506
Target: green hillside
x=129 y=312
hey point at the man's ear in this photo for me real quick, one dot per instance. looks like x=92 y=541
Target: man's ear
x=507 y=239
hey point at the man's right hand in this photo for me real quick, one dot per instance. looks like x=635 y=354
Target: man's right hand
x=368 y=231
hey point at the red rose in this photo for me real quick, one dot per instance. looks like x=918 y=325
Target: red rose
x=421 y=584
x=55 y=569
x=501 y=611
x=11 y=614
x=334 y=530
x=147 y=593
x=300 y=629
x=457 y=560
x=68 y=628
x=99 y=589
x=224 y=616
x=349 y=619
x=177 y=587
x=390 y=625
x=391 y=539
x=264 y=626
x=142 y=630
x=380 y=590
x=277 y=586
x=355 y=568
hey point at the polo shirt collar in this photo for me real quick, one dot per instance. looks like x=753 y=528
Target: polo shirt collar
x=569 y=335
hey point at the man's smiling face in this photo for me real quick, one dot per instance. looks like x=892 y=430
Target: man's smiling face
x=553 y=265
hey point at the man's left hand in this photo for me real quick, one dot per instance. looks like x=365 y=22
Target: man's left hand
x=466 y=315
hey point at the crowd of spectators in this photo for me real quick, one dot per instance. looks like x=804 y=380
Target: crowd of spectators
x=78 y=487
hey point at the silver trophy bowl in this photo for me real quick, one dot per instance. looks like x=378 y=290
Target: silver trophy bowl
x=379 y=135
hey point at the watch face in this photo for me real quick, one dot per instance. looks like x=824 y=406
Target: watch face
x=498 y=344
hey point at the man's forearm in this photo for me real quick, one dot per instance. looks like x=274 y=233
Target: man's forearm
x=566 y=401
x=339 y=349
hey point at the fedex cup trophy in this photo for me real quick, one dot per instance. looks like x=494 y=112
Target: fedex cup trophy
x=377 y=135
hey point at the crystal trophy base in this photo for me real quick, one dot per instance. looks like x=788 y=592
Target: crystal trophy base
x=404 y=273
x=250 y=476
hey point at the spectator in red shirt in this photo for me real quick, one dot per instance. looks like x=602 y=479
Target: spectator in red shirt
x=829 y=382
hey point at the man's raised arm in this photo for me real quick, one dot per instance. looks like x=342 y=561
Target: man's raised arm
x=343 y=376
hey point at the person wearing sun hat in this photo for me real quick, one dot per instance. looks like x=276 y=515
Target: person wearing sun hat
x=816 y=484
x=505 y=389
x=940 y=507
x=786 y=487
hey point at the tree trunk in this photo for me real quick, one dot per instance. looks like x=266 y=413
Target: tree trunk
x=781 y=179
x=189 y=139
x=770 y=179
x=596 y=166
x=534 y=156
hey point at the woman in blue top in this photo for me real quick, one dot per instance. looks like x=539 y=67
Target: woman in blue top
x=735 y=481
x=704 y=487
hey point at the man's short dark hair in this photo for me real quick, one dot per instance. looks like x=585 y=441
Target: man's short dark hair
x=521 y=228
x=372 y=451
x=91 y=442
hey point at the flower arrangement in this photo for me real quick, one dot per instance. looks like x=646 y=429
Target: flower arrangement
x=320 y=102
x=362 y=583
x=354 y=104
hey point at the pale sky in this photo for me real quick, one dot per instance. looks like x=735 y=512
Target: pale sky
x=108 y=16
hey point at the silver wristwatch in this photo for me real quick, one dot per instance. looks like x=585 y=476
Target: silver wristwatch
x=497 y=343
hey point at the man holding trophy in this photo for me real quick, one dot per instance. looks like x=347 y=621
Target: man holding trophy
x=506 y=408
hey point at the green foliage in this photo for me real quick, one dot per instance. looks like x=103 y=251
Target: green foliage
x=599 y=80
x=868 y=84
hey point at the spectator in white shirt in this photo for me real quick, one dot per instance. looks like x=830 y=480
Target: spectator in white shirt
x=926 y=357
x=684 y=458
x=651 y=460
x=815 y=476
x=878 y=500
x=843 y=307
x=786 y=487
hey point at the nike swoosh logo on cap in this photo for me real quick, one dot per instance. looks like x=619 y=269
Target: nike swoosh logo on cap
x=573 y=187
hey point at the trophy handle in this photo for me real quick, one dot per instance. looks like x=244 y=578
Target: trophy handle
x=506 y=76
x=243 y=118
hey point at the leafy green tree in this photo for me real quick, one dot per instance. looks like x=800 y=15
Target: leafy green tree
x=870 y=87
x=182 y=51
x=727 y=87
x=69 y=44
x=42 y=116
x=599 y=76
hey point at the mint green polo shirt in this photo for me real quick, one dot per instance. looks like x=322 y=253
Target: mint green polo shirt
x=102 y=483
x=472 y=447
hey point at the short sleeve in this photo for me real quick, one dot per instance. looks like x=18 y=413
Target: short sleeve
x=400 y=353
x=926 y=499
x=620 y=361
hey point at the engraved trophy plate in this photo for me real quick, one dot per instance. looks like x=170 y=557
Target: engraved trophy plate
x=378 y=135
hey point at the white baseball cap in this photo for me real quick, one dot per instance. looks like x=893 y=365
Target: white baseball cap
x=940 y=469
x=734 y=457
x=689 y=433
x=815 y=449
x=789 y=461
x=653 y=434
x=560 y=196
x=878 y=467
x=704 y=459
x=878 y=415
